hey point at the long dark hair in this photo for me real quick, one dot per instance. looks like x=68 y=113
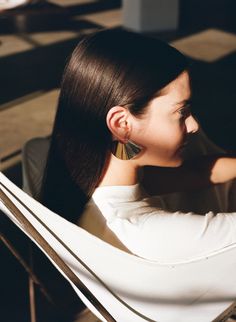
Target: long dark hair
x=108 y=68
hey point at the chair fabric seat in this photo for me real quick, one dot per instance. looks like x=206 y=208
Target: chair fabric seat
x=196 y=290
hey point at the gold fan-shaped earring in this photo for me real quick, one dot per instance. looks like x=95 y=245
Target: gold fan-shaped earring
x=125 y=151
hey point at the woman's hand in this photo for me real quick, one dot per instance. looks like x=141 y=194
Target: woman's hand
x=224 y=169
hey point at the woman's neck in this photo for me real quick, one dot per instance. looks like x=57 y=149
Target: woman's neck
x=120 y=173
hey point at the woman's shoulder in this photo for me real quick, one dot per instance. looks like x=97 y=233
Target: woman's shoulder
x=125 y=201
x=148 y=230
x=94 y=222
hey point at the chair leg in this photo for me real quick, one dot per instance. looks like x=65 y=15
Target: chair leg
x=27 y=268
x=32 y=289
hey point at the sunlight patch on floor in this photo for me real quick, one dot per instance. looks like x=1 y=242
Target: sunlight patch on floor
x=26 y=120
x=209 y=45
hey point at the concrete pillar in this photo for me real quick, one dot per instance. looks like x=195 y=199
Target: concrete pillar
x=150 y=15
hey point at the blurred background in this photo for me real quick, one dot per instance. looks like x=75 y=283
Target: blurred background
x=36 y=37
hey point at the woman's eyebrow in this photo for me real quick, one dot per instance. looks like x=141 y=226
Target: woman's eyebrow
x=186 y=101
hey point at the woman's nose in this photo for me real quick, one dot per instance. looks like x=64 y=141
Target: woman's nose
x=191 y=124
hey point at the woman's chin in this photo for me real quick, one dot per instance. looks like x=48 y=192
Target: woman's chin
x=175 y=162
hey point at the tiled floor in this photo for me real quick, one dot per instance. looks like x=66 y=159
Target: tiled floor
x=209 y=45
x=12 y=44
x=108 y=19
x=33 y=52
x=25 y=120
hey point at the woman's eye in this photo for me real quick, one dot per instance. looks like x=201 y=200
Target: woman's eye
x=184 y=111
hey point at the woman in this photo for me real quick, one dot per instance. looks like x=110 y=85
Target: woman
x=125 y=105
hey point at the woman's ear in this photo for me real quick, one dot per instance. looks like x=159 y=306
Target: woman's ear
x=117 y=122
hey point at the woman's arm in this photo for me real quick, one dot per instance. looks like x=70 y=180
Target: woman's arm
x=194 y=174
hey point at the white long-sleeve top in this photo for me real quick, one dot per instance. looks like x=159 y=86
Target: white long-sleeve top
x=141 y=224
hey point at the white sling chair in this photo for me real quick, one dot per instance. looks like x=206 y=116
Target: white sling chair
x=129 y=288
